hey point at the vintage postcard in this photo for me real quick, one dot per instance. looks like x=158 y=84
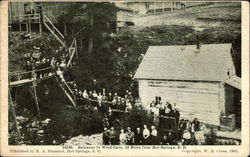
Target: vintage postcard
x=124 y=78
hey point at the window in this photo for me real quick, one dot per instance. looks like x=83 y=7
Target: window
x=228 y=72
x=157 y=99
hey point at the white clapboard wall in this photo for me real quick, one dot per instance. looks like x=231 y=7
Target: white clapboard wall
x=203 y=100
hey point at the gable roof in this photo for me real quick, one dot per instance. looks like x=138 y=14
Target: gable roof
x=211 y=63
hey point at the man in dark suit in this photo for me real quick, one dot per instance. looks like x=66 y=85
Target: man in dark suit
x=138 y=136
x=105 y=137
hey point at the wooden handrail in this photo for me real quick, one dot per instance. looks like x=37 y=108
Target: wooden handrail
x=66 y=93
x=66 y=85
x=54 y=27
x=25 y=72
x=47 y=26
x=25 y=15
x=73 y=53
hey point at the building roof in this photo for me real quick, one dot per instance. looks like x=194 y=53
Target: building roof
x=209 y=63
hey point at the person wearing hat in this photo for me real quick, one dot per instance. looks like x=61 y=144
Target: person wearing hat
x=112 y=136
x=130 y=97
x=28 y=67
x=110 y=97
x=47 y=64
x=91 y=95
x=42 y=67
x=76 y=92
x=138 y=137
x=115 y=97
x=79 y=96
x=104 y=97
x=105 y=136
x=130 y=137
x=161 y=114
x=176 y=115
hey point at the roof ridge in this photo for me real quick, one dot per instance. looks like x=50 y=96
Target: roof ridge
x=189 y=45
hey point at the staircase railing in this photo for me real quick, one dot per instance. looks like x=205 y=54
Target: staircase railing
x=22 y=75
x=52 y=28
x=72 y=52
x=66 y=89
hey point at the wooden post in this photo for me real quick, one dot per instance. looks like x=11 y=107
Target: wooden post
x=40 y=24
x=20 y=26
x=172 y=6
x=76 y=49
x=29 y=25
x=154 y=7
x=37 y=105
x=81 y=44
x=12 y=108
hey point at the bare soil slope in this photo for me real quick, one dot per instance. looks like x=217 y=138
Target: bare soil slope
x=200 y=15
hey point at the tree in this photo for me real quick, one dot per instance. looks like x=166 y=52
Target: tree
x=95 y=17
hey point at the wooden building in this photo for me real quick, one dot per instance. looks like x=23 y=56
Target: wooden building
x=149 y=7
x=18 y=12
x=200 y=80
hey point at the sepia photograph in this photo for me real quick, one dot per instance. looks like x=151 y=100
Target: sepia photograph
x=124 y=73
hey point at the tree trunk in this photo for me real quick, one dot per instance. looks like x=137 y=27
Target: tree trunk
x=90 y=47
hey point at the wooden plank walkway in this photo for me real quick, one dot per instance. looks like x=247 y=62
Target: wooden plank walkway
x=27 y=81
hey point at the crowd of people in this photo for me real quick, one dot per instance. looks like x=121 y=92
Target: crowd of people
x=39 y=66
x=167 y=128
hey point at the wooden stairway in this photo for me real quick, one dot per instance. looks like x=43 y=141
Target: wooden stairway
x=66 y=89
x=52 y=28
x=72 y=51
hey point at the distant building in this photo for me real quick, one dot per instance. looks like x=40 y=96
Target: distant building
x=127 y=10
x=201 y=80
x=149 y=7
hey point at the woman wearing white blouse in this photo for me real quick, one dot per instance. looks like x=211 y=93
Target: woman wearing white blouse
x=122 y=137
x=146 y=134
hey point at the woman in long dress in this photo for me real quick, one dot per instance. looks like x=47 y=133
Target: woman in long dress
x=122 y=137
x=200 y=135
